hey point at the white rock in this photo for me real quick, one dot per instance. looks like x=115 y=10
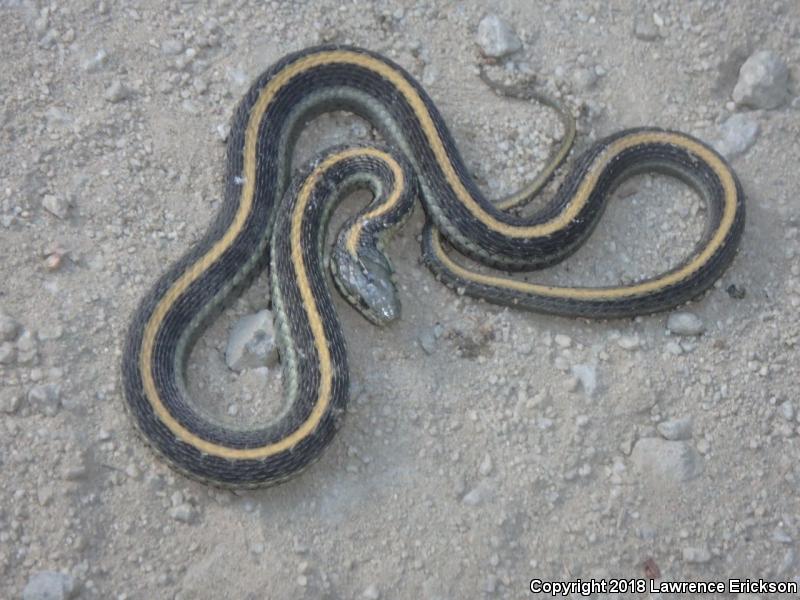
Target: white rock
x=587 y=375
x=46 y=398
x=628 y=342
x=8 y=353
x=676 y=429
x=10 y=400
x=584 y=79
x=171 y=47
x=665 y=461
x=9 y=328
x=184 y=512
x=486 y=466
x=736 y=135
x=685 y=323
x=496 y=38
x=371 y=593
x=644 y=28
x=96 y=61
x=787 y=410
x=116 y=92
x=56 y=206
x=50 y=585
x=763 y=81
x=252 y=343
x=563 y=341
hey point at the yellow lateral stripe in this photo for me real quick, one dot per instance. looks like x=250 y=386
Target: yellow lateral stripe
x=195 y=271
x=581 y=293
x=435 y=142
x=244 y=209
x=399 y=186
x=318 y=332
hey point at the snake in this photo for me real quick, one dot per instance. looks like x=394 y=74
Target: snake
x=271 y=219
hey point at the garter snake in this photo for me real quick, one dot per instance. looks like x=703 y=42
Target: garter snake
x=265 y=216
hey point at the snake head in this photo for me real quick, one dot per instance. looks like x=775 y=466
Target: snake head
x=365 y=281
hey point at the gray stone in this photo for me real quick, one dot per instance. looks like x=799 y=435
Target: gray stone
x=787 y=410
x=46 y=398
x=183 y=512
x=564 y=341
x=496 y=38
x=763 y=81
x=56 y=206
x=171 y=47
x=116 y=92
x=9 y=328
x=252 y=343
x=644 y=28
x=685 y=323
x=475 y=496
x=427 y=339
x=371 y=592
x=584 y=79
x=587 y=375
x=736 y=135
x=96 y=61
x=8 y=353
x=486 y=466
x=676 y=429
x=662 y=460
x=50 y=585
x=10 y=400
x=628 y=342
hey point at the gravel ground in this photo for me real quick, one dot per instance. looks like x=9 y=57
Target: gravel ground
x=485 y=447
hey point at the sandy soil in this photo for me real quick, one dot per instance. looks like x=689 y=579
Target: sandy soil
x=485 y=447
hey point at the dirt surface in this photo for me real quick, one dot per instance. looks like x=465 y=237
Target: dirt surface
x=484 y=447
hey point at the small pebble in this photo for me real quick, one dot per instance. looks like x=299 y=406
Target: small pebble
x=183 y=512
x=371 y=592
x=56 y=206
x=485 y=468
x=95 y=62
x=9 y=328
x=676 y=429
x=644 y=29
x=171 y=47
x=587 y=375
x=563 y=340
x=763 y=81
x=10 y=400
x=8 y=353
x=46 y=398
x=628 y=342
x=787 y=410
x=473 y=497
x=584 y=79
x=50 y=585
x=427 y=340
x=496 y=38
x=685 y=323
x=674 y=348
x=666 y=461
x=736 y=135
x=116 y=92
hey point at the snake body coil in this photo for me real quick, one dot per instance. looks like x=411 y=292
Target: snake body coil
x=263 y=215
